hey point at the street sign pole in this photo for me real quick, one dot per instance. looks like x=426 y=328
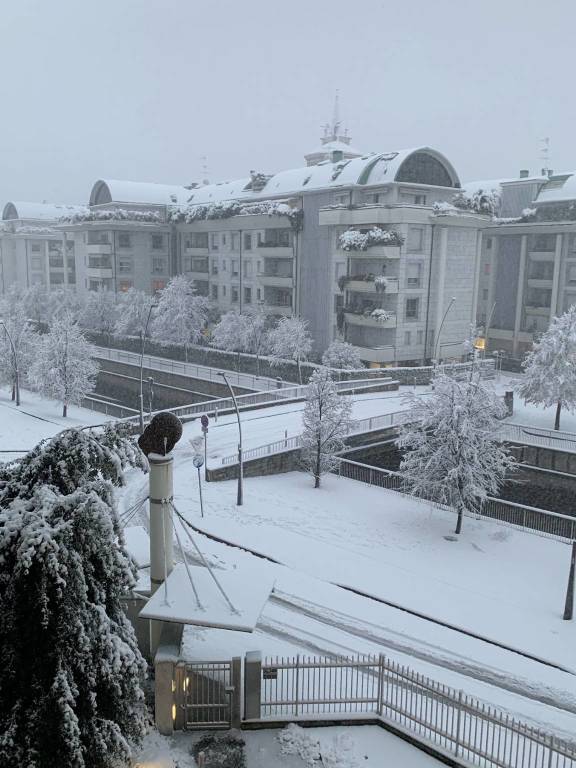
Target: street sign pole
x=569 y=607
x=204 y=422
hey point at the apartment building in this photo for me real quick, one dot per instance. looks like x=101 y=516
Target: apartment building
x=528 y=261
x=353 y=243
x=32 y=250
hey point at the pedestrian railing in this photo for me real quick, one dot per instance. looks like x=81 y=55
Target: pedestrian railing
x=537 y=436
x=304 y=688
x=550 y=524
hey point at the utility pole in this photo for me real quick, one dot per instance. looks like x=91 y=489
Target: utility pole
x=239 y=498
x=161 y=547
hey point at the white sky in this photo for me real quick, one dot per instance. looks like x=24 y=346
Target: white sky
x=142 y=89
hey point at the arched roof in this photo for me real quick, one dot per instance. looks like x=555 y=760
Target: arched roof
x=38 y=211
x=373 y=169
x=115 y=191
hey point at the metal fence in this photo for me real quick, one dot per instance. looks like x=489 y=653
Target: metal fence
x=550 y=524
x=305 y=687
x=107 y=407
x=542 y=438
x=203 y=694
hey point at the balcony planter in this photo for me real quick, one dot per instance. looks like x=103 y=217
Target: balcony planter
x=355 y=240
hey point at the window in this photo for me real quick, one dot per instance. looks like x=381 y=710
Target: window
x=56 y=278
x=372 y=198
x=214 y=267
x=412 y=308
x=420 y=337
x=158 y=285
x=36 y=262
x=125 y=264
x=214 y=289
x=159 y=265
x=124 y=240
x=196 y=240
x=36 y=247
x=248 y=295
x=341 y=198
x=338 y=302
x=259 y=267
x=98 y=238
x=125 y=285
x=235 y=241
x=258 y=294
x=414 y=274
x=571 y=274
x=488 y=243
x=247 y=241
x=407 y=338
x=487 y=268
x=419 y=199
x=157 y=242
x=234 y=267
x=234 y=294
x=485 y=293
x=247 y=268
x=223 y=239
x=187 y=263
x=275 y=238
x=99 y=262
x=415 y=239
x=214 y=241
x=543 y=242
x=339 y=270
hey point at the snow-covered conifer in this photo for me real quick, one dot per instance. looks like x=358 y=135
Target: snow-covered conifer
x=290 y=340
x=326 y=422
x=133 y=309
x=100 y=313
x=181 y=315
x=62 y=365
x=550 y=369
x=342 y=355
x=71 y=672
x=453 y=453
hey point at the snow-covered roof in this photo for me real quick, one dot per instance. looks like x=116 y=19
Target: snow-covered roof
x=560 y=186
x=335 y=146
x=115 y=191
x=367 y=170
x=38 y=211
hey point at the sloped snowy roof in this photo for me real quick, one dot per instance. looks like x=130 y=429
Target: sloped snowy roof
x=370 y=169
x=560 y=186
x=471 y=187
x=38 y=211
x=115 y=191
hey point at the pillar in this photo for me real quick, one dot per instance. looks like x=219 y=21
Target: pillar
x=252 y=685
x=440 y=308
x=161 y=536
x=520 y=293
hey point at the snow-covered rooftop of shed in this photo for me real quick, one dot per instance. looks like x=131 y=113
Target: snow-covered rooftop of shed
x=38 y=211
x=560 y=186
x=117 y=191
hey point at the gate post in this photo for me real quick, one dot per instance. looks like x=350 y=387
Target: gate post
x=236 y=698
x=252 y=685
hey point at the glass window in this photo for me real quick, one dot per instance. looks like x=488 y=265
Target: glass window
x=36 y=247
x=158 y=285
x=414 y=274
x=234 y=263
x=214 y=266
x=125 y=285
x=214 y=241
x=543 y=242
x=36 y=262
x=223 y=239
x=339 y=269
x=124 y=240
x=415 y=239
x=407 y=338
x=422 y=168
x=235 y=241
x=159 y=265
x=125 y=264
x=247 y=268
x=234 y=294
x=412 y=308
x=247 y=241
x=98 y=238
x=571 y=274
x=247 y=295
x=157 y=242
x=487 y=268
x=488 y=243
x=420 y=337
x=214 y=289
x=259 y=294
x=223 y=290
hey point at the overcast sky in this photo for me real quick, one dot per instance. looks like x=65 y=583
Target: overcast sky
x=142 y=89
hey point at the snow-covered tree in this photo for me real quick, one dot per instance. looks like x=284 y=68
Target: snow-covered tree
x=64 y=301
x=181 y=315
x=453 y=453
x=342 y=355
x=230 y=333
x=290 y=340
x=71 y=672
x=100 y=313
x=550 y=369
x=326 y=423
x=133 y=309
x=62 y=365
x=16 y=341
x=257 y=323
x=36 y=302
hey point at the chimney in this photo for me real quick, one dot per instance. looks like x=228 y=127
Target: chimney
x=524 y=174
x=337 y=155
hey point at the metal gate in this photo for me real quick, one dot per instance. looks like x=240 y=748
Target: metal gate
x=205 y=694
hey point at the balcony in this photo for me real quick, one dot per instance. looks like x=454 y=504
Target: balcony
x=385 y=354
x=195 y=274
x=100 y=273
x=99 y=248
x=278 y=309
x=362 y=285
x=541 y=255
x=193 y=251
x=276 y=280
x=537 y=311
x=367 y=321
x=539 y=282
x=269 y=250
x=374 y=252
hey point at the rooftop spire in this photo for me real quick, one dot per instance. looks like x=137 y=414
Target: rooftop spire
x=332 y=131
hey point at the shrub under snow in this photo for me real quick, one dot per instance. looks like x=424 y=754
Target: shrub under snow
x=355 y=240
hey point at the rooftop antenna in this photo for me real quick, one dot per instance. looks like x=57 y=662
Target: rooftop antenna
x=336 y=114
x=205 y=179
x=545 y=155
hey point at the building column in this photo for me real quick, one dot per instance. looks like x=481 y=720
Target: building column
x=556 y=277
x=65 y=259
x=520 y=293
x=440 y=308
x=478 y=264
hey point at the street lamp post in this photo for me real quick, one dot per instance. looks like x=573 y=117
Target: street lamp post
x=152 y=306
x=239 y=499
x=448 y=308
x=16 y=371
x=150 y=395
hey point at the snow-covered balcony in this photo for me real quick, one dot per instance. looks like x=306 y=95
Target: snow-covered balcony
x=374 y=319
x=269 y=250
x=277 y=309
x=276 y=280
x=539 y=282
x=191 y=251
x=99 y=273
x=538 y=311
x=99 y=248
x=369 y=285
x=384 y=354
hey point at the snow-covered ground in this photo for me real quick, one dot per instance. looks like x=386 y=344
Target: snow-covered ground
x=36 y=418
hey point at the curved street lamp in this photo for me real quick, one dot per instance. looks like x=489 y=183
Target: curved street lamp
x=152 y=306
x=448 y=308
x=239 y=498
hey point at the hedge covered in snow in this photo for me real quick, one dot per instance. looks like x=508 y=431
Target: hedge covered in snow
x=355 y=240
x=229 y=208
x=117 y=214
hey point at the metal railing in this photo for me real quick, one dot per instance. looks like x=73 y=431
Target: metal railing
x=537 y=436
x=306 y=687
x=530 y=519
x=359 y=426
x=107 y=407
